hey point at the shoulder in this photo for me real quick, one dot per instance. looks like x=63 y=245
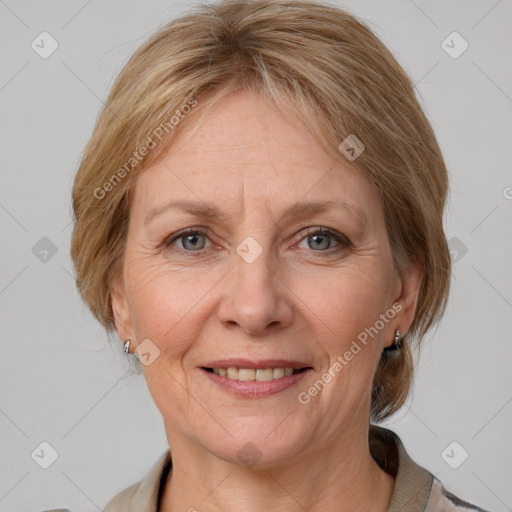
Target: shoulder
x=122 y=500
x=119 y=503
x=442 y=500
x=143 y=496
x=416 y=489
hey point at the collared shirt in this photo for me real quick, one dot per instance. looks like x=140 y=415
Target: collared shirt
x=416 y=489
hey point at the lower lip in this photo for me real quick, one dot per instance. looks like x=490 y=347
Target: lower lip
x=255 y=388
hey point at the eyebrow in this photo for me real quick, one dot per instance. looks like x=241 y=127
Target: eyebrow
x=301 y=209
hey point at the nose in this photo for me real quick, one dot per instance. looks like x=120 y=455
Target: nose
x=256 y=298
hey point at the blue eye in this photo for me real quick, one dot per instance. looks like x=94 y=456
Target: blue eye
x=320 y=240
x=192 y=240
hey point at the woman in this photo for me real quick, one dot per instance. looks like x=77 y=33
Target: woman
x=259 y=217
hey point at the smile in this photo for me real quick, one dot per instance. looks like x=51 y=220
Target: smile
x=255 y=379
x=258 y=374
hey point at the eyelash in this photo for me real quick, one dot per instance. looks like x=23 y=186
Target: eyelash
x=343 y=241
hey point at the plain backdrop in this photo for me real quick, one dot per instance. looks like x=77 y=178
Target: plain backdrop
x=62 y=382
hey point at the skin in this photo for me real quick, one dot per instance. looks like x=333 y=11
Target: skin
x=301 y=299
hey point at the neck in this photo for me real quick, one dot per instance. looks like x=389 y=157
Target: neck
x=342 y=476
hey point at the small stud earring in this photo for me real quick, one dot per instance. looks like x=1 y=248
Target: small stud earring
x=126 y=346
x=397 y=342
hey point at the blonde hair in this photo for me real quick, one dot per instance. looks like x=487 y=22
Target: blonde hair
x=311 y=60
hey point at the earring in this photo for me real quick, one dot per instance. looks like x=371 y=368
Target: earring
x=126 y=346
x=397 y=342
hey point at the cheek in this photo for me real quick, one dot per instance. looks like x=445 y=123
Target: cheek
x=342 y=320
x=343 y=309
x=165 y=307
x=345 y=302
x=164 y=304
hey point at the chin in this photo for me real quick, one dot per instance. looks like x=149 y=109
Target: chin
x=260 y=442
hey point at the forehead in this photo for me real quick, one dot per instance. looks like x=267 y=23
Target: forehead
x=243 y=149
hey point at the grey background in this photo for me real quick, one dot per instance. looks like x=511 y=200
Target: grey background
x=62 y=382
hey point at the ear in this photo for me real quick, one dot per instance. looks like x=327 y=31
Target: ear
x=407 y=297
x=121 y=311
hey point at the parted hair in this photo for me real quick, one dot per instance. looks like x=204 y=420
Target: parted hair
x=312 y=61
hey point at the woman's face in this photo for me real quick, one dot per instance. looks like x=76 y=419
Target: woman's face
x=287 y=263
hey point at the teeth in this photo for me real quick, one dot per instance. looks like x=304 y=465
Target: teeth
x=233 y=373
x=246 y=374
x=265 y=374
x=249 y=374
x=278 y=373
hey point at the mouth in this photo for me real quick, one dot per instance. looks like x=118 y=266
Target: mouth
x=255 y=379
x=257 y=374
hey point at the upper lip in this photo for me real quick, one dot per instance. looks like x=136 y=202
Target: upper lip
x=256 y=364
